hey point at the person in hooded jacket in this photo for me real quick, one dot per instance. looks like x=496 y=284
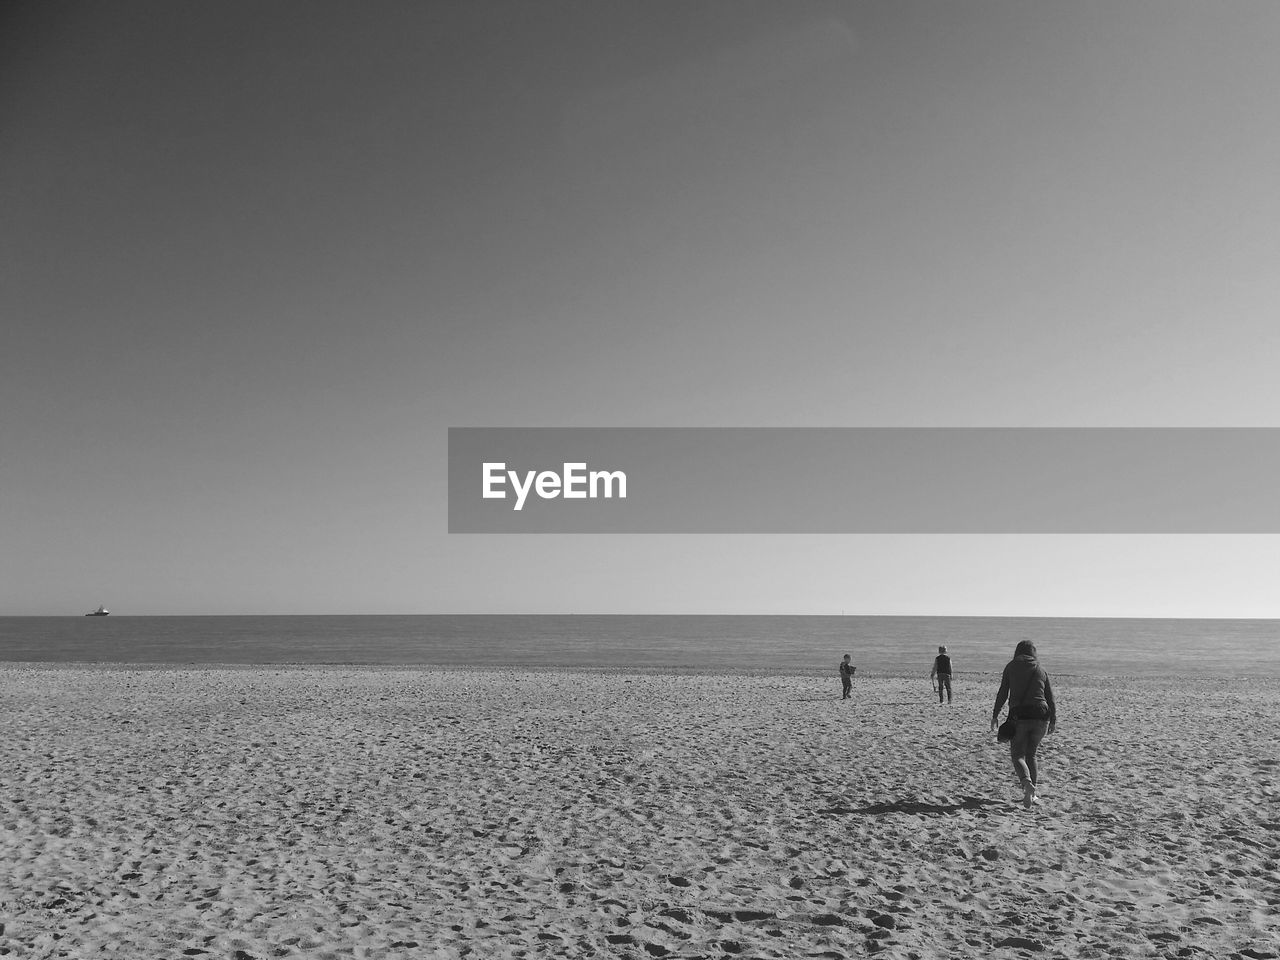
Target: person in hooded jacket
x=1025 y=686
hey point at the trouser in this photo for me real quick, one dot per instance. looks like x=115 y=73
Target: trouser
x=944 y=680
x=846 y=685
x=1023 y=747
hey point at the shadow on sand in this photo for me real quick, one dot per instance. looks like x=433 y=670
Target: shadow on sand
x=913 y=806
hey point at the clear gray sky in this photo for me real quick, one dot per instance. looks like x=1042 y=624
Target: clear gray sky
x=258 y=257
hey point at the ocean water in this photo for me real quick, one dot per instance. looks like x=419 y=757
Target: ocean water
x=879 y=646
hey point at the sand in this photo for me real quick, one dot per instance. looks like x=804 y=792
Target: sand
x=349 y=812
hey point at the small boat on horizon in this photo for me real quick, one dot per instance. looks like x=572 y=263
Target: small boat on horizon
x=100 y=612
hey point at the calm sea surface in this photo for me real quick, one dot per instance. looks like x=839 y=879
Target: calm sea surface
x=880 y=646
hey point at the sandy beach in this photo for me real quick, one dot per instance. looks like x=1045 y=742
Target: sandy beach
x=352 y=812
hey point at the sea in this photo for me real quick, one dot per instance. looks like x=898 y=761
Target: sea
x=779 y=645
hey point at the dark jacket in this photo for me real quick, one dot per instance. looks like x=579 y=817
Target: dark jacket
x=1026 y=686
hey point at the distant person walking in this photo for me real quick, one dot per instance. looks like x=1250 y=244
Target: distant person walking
x=942 y=670
x=1025 y=685
x=847 y=670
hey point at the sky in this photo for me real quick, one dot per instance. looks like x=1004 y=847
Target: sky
x=256 y=259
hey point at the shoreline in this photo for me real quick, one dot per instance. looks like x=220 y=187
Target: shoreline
x=813 y=676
